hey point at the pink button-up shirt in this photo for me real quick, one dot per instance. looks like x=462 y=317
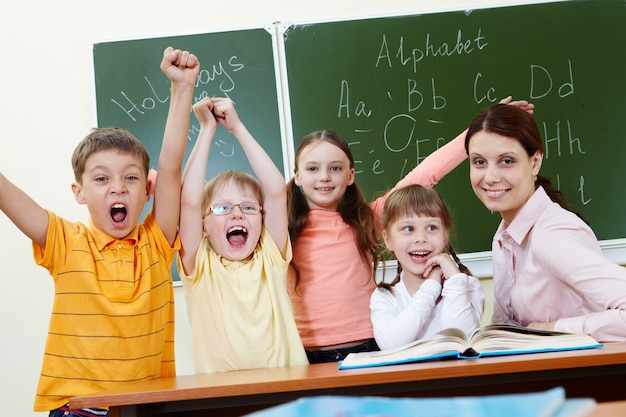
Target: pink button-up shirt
x=548 y=266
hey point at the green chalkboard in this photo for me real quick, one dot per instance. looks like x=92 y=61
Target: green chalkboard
x=133 y=93
x=399 y=87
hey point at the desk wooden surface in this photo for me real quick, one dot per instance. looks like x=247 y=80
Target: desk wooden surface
x=609 y=409
x=589 y=372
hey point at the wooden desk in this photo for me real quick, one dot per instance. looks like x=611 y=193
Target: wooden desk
x=610 y=409
x=596 y=373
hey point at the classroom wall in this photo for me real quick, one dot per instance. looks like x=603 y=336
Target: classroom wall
x=48 y=105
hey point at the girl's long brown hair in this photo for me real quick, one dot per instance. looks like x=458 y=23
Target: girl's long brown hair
x=353 y=208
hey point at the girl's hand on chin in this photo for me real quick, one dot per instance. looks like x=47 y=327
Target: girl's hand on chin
x=443 y=264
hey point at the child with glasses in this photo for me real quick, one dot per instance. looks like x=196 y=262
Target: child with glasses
x=234 y=255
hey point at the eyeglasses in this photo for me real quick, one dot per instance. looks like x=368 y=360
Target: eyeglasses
x=227 y=208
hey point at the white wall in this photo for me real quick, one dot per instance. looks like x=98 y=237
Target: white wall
x=47 y=106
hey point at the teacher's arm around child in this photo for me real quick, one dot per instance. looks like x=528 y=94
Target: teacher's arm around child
x=335 y=237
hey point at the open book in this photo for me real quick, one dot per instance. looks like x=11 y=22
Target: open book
x=491 y=340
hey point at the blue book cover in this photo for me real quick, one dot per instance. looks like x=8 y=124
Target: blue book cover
x=551 y=403
x=491 y=340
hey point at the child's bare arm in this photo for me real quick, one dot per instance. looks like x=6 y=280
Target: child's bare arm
x=443 y=160
x=23 y=211
x=182 y=68
x=190 y=229
x=272 y=181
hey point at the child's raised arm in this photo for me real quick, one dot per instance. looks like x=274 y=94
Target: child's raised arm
x=272 y=181
x=182 y=68
x=439 y=163
x=23 y=211
x=190 y=228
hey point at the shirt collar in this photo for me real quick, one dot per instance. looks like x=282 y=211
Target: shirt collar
x=103 y=240
x=524 y=221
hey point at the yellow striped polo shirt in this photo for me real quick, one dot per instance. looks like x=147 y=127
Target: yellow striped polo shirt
x=112 y=319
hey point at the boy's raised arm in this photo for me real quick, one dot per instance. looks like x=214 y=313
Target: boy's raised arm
x=272 y=181
x=23 y=211
x=182 y=68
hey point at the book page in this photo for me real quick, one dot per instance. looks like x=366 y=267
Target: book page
x=447 y=343
x=503 y=338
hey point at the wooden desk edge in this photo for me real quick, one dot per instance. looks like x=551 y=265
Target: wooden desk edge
x=609 y=409
x=327 y=376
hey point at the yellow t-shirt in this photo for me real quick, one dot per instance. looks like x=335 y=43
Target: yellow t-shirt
x=240 y=313
x=113 y=315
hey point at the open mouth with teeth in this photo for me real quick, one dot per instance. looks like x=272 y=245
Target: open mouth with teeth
x=118 y=213
x=237 y=236
x=419 y=256
x=495 y=193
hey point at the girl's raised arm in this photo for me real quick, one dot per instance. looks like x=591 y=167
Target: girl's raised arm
x=272 y=181
x=190 y=224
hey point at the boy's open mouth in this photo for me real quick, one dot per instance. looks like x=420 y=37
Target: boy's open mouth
x=118 y=213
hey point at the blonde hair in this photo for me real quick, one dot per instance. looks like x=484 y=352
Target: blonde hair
x=241 y=179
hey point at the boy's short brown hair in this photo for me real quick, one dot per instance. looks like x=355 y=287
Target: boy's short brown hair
x=109 y=138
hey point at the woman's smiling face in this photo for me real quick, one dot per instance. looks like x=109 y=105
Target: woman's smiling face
x=501 y=172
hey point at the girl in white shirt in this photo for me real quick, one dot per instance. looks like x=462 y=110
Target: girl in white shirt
x=433 y=289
